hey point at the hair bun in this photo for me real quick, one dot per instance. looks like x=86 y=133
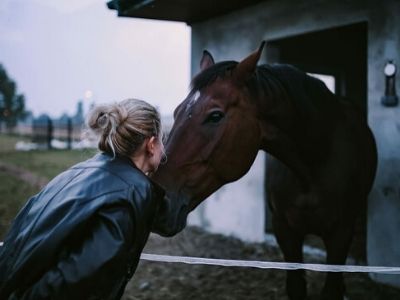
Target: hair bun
x=102 y=120
x=118 y=115
x=122 y=127
x=98 y=120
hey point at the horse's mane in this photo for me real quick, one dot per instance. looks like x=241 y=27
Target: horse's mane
x=209 y=75
x=309 y=95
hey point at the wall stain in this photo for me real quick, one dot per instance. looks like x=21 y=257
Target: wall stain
x=388 y=190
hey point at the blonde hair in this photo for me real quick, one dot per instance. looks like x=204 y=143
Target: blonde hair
x=122 y=127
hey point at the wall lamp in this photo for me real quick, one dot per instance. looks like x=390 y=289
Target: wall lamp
x=390 y=98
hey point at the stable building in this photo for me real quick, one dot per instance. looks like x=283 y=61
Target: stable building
x=354 y=44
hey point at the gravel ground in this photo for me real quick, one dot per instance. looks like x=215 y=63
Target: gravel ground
x=166 y=281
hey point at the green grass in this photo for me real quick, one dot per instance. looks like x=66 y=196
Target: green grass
x=14 y=192
x=44 y=163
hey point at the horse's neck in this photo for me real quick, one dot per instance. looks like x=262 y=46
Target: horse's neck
x=296 y=131
x=300 y=107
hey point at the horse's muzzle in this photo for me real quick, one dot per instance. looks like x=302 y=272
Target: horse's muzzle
x=170 y=218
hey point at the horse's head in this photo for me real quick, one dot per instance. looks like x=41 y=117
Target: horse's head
x=215 y=137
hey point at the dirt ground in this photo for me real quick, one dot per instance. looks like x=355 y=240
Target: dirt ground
x=154 y=280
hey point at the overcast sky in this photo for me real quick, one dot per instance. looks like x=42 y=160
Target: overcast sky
x=61 y=51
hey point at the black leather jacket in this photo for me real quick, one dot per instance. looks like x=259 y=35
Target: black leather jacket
x=82 y=235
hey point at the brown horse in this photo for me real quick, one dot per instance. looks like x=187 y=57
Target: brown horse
x=321 y=162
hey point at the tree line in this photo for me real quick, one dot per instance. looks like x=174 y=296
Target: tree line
x=12 y=104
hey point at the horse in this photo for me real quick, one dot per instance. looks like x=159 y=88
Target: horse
x=321 y=155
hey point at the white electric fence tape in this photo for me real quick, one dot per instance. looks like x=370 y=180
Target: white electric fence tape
x=269 y=265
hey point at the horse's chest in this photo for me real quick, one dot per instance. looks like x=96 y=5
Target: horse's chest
x=310 y=213
x=308 y=210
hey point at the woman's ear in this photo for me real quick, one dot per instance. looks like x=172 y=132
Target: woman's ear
x=150 y=145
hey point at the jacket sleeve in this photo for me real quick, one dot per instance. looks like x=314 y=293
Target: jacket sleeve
x=96 y=266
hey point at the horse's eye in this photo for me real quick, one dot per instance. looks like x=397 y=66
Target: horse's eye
x=214 y=117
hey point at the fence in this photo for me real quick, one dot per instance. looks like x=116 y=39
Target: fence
x=48 y=134
x=267 y=264
x=46 y=131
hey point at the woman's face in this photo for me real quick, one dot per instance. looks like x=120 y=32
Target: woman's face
x=158 y=153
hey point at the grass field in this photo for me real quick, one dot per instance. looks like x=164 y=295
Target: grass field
x=13 y=193
x=41 y=163
x=45 y=163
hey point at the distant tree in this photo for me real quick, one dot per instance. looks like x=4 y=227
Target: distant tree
x=12 y=105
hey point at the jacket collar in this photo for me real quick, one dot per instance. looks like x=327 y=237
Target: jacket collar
x=103 y=156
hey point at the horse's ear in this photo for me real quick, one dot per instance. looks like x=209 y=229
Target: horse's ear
x=247 y=66
x=206 y=61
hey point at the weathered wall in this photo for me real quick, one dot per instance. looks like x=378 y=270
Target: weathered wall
x=237 y=208
x=384 y=204
x=235 y=35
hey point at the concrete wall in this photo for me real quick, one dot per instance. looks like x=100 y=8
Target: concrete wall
x=235 y=35
x=237 y=208
x=384 y=204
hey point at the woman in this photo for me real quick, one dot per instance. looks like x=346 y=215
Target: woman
x=82 y=235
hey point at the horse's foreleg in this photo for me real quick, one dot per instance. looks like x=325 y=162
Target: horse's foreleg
x=337 y=247
x=291 y=244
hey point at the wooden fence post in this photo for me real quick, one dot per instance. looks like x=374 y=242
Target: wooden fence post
x=69 y=133
x=49 y=132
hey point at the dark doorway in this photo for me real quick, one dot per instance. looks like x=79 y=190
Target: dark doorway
x=339 y=52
